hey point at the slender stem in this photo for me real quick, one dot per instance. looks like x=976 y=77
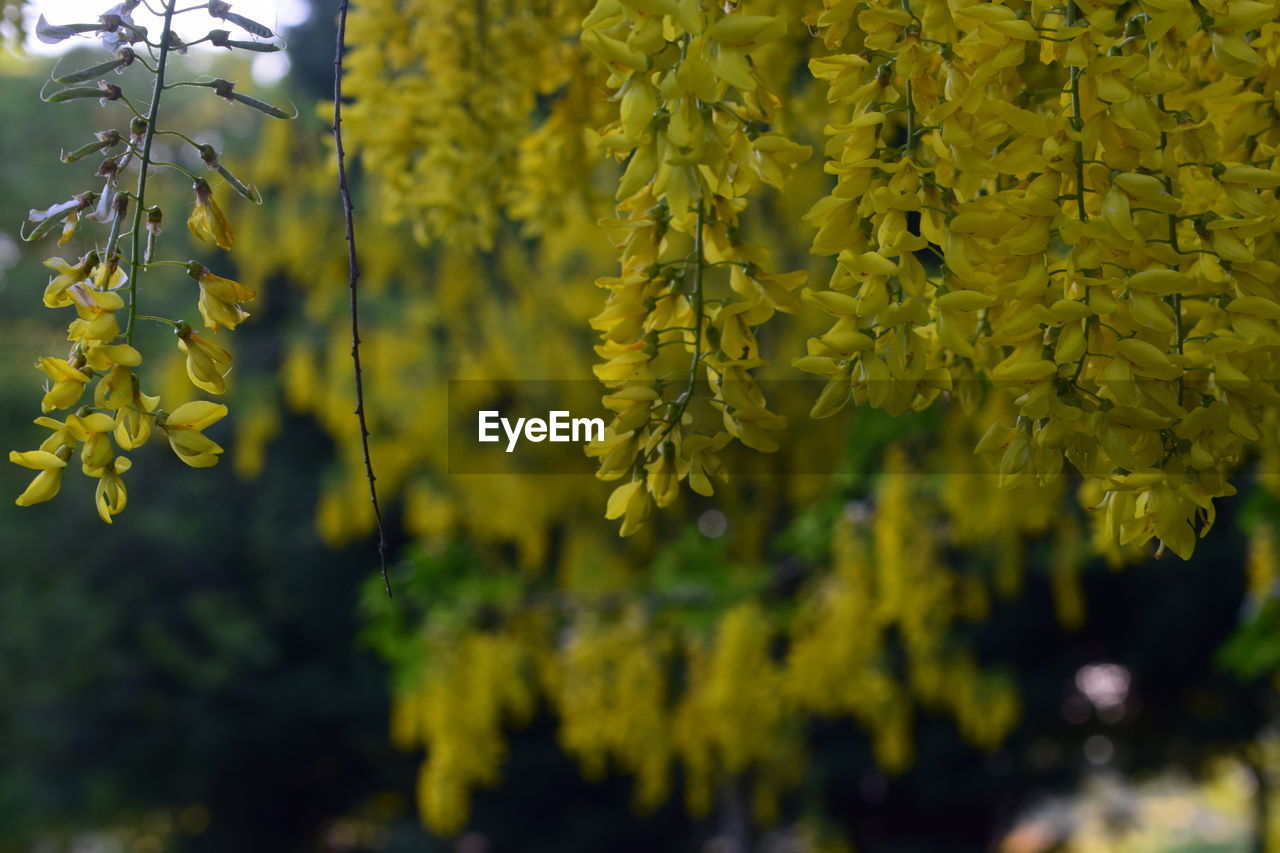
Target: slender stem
x=180 y=135
x=194 y=177
x=726 y=108
x=1176 y=299
x=910 y=105
x=353 y=269
x=1077 y=123
x=700 y=250
x=681 y=403
x=135 y=258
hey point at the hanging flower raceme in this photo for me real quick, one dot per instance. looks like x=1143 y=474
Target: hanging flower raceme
x=103 y=285
x=466 y=83
x=691 y=292
x=1075 y=206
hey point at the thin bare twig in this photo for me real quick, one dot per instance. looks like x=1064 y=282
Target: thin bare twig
x=353 y=266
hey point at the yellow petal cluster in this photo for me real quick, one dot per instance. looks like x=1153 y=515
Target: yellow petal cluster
x=1075 y=206
x=678 y=329
x=103 y=288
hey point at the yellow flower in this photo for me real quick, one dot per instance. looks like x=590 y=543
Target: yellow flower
x=104 y=357
x=61 y=437
x=207 y=222
x=207 y=364
x=110 y=276
x=120 y=391
x=55 y=295
x=46 y=484
x=68 y=383
x=184 y=427
x=700 y=461
x=115 y=390
x=69 y=227
x=97 y=314
x=110 y=496
x=631 y=502
x=220 y=298
x=94 y=430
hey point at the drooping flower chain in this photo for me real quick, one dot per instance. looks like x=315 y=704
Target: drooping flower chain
x=694 y=131
x=1096 y=207
x=120 y=416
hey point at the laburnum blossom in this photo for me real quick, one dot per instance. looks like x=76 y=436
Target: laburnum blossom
x=46 y=484
x=1105 y=246
x=220 y=298
x=691 y=129
x=110 y=496
x=120 y=391
x=68 y=383
x=207 y=363
x=55 y=294
x=185 y=427
x=96 y=308
x=60 y=438
x=631 y=502
x=109 y=275
x=207 y=221
x=102 y=286
x=94 y=432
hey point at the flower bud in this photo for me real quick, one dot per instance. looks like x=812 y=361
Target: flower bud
x=209 y=155
x=110 y=92
x=154 y=221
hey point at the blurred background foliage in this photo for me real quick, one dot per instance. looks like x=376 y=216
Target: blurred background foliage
x=216 y=671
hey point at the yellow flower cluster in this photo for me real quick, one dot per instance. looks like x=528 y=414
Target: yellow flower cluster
x=733 y=717
x=444 y=94
x=448 y=313
x=1262 y=568
x=457 y=712
x=102 y=286
x=1096 y=184
x=747 y=681
x=953 y=216
x=610 y=685
x=693 y=129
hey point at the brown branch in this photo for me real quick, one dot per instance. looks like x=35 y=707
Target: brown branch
x=353 y=266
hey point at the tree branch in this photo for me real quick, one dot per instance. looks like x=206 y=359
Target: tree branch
x=353 y=266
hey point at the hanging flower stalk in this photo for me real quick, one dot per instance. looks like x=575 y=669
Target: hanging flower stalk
x=96 y=383
x=1095 y=192
x=678 y=327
